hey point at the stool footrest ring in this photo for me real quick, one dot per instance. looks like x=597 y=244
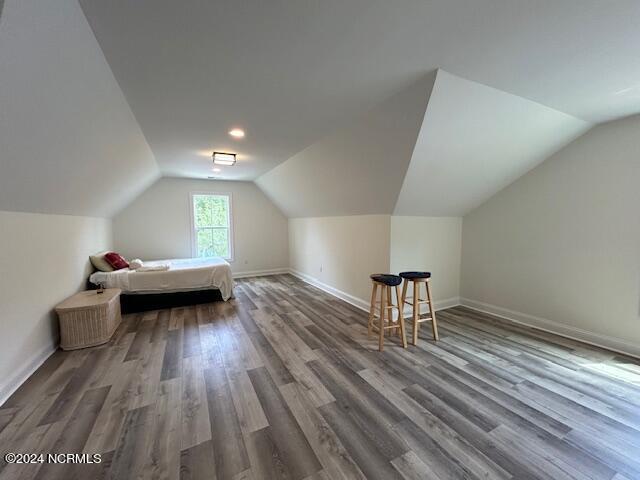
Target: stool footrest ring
x=419 y=302
x=430 y=319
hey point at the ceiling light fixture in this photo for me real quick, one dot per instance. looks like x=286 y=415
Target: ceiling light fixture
x=217 y=169
x=220 y=158
x=237 y=133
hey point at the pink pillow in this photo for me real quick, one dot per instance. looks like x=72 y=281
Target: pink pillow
x=116 y=260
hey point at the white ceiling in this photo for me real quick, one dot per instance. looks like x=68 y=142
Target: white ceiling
x=359 y=168
x=291 y=71
x=69 y=143
x=474 y=141
x=308 y=82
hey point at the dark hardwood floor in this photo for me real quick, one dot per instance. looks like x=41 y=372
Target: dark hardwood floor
x=282 y=382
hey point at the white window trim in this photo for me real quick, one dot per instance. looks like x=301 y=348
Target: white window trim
x=194 y=248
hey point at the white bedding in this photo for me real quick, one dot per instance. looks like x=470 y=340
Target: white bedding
x=183 y=275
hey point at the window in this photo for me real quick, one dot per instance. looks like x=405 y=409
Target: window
x=211 y=225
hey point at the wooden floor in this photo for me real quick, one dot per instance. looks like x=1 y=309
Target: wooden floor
x=283 y=383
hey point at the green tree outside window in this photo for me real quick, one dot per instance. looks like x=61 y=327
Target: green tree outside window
x=212 y=217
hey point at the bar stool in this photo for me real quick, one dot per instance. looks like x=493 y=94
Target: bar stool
x=385 y=282
x=419 y=278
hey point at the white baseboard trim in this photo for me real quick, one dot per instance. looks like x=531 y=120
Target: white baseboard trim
x=261 y=273
x=596 y=339
x=355 y=301
x=10 y=385
x=447 y=303
x=359 y=302
x=440 y=305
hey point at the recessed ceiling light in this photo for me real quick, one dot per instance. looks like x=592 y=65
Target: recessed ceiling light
x=237 y=133
x=216 y=169
x=220 y=158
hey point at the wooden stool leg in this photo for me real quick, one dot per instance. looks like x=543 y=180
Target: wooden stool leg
x=383 y=309
x=432 y=310
x=405 y=283
x=401 y=317
x=416 y=311
x=394 y=331
x=372 y=309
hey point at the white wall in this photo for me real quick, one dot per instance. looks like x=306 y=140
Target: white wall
x=157 y=225
x=433 y=244
x=560 y=247
x=341 y=252
x=43 y=260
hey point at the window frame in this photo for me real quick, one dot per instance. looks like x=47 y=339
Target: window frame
x=194 y=237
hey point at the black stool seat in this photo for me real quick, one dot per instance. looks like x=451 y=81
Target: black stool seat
x=415 y=275
x=387 y=279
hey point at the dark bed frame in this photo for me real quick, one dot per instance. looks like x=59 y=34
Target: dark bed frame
x=156 y=301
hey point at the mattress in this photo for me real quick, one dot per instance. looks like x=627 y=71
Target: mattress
x=184 y=275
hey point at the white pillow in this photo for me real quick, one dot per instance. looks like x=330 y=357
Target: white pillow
x=135 y=264
x=100 y=263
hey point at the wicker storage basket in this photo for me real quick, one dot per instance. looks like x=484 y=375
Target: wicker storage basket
x=88 y=318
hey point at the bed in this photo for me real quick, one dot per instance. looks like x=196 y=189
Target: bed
x=183 y=276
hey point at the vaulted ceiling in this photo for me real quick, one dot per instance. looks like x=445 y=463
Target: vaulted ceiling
x=69 y=143
x=474 y=141
x=337 y=97
x=359 y=168
x=290 y=72
x=439 y=148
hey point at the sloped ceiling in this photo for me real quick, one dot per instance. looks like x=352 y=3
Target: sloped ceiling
x=290 y=71
x=474 y=141
x=298 y=77
x=359 y=168
x=69 y=143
